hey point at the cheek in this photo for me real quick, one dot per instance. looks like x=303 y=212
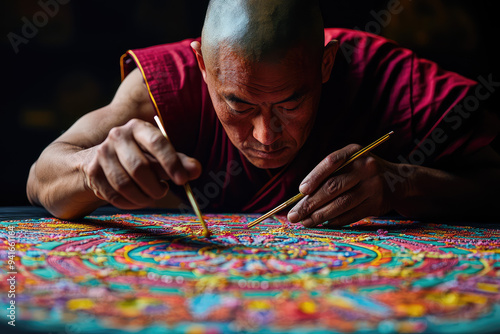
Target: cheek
x=237 y=128
x=299 y=129
x=234 y=126
x=299 y=126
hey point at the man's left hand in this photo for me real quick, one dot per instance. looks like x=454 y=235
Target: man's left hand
x=357 y=191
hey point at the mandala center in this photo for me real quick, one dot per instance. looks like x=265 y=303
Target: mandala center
x=253 y=253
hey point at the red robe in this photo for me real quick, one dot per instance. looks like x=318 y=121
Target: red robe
x=376 y=86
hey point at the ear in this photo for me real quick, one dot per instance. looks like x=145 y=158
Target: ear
x=196 y=46
x=328 y=59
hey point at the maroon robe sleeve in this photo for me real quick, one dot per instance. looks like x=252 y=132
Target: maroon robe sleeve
x=381 y=86
x=175 y=84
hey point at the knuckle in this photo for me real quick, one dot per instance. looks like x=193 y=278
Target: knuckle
x=133 y=122
x=157 y=141
x=121 y=182
x=341 y=155
x=115 y=133
x=138 y=167
x=102 y=150
x=318 y=217
x=332 y=159
x=371 y=165
x=331 y=186
x=306 y=207
x=344 y=202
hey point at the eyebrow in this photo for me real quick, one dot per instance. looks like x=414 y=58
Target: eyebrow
x=294 y=97
x=233 y=98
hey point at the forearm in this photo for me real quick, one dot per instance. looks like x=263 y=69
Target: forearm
x=56 y=182
x=431 y=193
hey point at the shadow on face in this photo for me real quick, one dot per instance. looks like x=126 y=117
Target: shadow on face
x=267 y=108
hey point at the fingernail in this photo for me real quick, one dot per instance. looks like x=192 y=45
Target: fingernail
x=308 y=222
x=293 y=216
x=304 y=188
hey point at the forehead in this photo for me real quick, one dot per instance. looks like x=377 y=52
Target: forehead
x=288 y=71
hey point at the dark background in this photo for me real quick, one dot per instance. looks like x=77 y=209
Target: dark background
x=71 y=65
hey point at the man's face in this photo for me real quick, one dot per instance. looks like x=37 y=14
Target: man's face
x=267 y=109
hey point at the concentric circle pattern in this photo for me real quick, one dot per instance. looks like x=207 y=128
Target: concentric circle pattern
x=157 y=273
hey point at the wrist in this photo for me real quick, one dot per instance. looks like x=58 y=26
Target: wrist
x=400 y=187
x=83 y=160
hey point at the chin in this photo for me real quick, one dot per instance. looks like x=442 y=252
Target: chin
x=269 y=163
x=266 y=164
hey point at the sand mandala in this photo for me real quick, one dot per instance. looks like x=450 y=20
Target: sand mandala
x=157 y=273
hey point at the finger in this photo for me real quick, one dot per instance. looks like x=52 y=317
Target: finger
x=326 y=167
x=371 y=205
x=351 y=216
x=119 y=179
x=192 y=166
x=152 y=141
x=340 y=205
x=97 y=182
x=157 y=168
x=141 y=169
x=332 y=188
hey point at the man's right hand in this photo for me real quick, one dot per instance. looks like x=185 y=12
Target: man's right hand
x=130 y=168
x=114 y=154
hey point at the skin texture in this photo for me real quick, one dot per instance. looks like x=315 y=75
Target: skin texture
x=264 y=63
x=267 y=109
x=265 y=87
x=261 y=30
x=465 y=191
x=111 y=155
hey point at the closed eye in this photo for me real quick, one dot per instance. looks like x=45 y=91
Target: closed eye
x=239 y=111
x=290 y=109
x=291 y=106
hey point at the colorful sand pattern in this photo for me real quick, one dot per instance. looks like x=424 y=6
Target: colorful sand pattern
x=153 y=273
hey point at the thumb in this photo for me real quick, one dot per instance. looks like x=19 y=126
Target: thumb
x=191 y=165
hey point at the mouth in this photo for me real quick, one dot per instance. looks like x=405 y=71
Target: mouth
x=266 y=154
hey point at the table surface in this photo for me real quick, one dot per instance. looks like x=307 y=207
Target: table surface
x=151 y=271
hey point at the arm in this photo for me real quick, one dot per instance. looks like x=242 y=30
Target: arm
x=371 y=186
x=468 y=191
x=111 y=155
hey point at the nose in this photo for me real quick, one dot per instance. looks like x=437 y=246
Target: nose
x=266 y=128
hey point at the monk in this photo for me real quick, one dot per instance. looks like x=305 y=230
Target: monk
x=268 y=103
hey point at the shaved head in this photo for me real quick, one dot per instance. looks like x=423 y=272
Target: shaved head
x=264 y=63
x=261 y=30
